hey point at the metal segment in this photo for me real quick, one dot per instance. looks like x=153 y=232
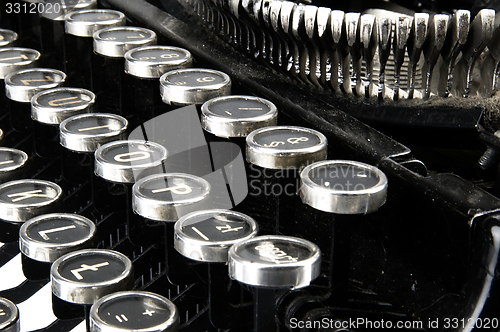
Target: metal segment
x=377 y=53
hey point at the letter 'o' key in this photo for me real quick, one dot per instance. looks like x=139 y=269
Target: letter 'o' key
x=84 y=276
x=9 y=316
x=127 y=161
x=193 y=86
x=134 y=311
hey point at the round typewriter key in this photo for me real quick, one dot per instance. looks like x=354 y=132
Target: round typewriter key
x=276 y=155
x=134 y=311
x=16 y=58
x=343 y=187
x=21 y=86
x=193 y=86
x=55 y=105
x=206 y=236
x=45 y=238
x=21 y=200
x=81 y=135
x=84 y=23
x=13 y=164
x=237 y=116
x=114 y=42
x=84 y=276
x=338 y=192
x=154 y=61
x=9 y=316
x=166 y=197
x=269 y=263
x=110 y=46
x=49 y=108
x=127 y=161
x=87 y=132
x=144 y=66
x=275 y=261
x=285 y=146
x=7 y=38
x=79 y=43
x=53 y=27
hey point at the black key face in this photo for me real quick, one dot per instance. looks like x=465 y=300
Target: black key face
x=216 y=227
x=95 y=16
x=286 y=139
x=37 y=78
x=159 y=54
x=59 y=229
x=195 y=78
x=174 y=188
x=239 y=108
x=64 y=98
x=135 y=311
x=9 y=314
x=344 y=177
x=10 y=160
x=7 y=37
x=125 y=35
x=17 y=55
x=127 y=153
x=92 y=268
x=29 y=193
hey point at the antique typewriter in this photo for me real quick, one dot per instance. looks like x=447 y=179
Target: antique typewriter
x=249 y=165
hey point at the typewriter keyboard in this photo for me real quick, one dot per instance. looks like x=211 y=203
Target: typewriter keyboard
x=150 y=184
